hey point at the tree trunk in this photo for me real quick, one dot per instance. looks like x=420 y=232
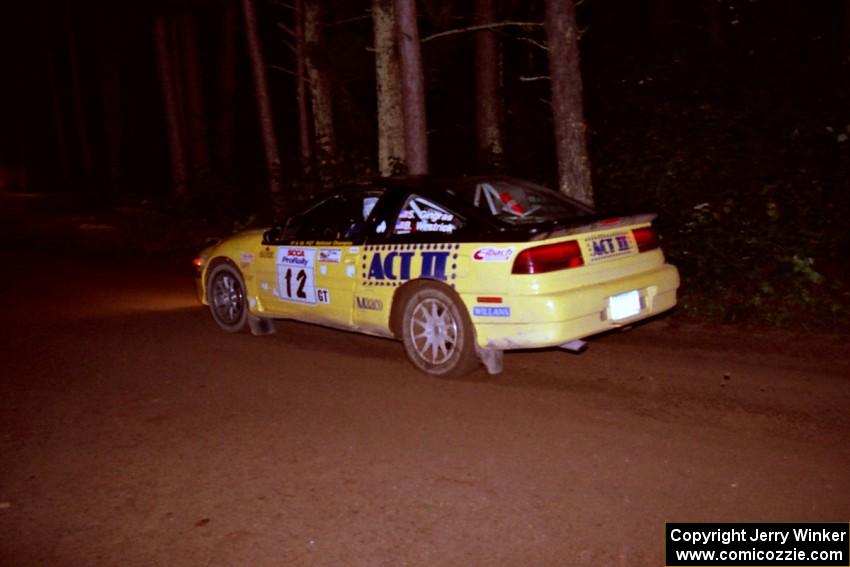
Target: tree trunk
x=301 y=90
x=175 y=47
x=412 y=89
x=846 y=15
x=170 y=106
x=391 y=152
x=227 y=89
x=264 y=109
x=661 y=14
x=567 y=111
x=320 y=86
x=195 y=117
x=488 y=118
x=111 y=68
x=79 y=112
x=55 y=97
x=717 y=37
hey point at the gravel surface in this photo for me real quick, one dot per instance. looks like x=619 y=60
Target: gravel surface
x=134 y=432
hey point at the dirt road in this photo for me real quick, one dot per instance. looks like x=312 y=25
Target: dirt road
x=135 y=433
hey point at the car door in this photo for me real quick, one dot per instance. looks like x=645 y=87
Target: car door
x=419 y=240
x=307 y=270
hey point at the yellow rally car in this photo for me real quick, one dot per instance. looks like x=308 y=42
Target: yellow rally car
x=460 y=270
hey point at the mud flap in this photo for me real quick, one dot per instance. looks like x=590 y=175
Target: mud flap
x=491 y=358
x=577 y=346
x=260 y=325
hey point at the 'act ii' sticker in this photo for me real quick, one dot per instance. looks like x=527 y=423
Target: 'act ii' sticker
x=609 y=246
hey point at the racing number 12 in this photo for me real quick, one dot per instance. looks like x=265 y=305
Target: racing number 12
x=301 y=279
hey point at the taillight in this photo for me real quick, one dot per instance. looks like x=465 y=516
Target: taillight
x=549 y=258
x=645 y=238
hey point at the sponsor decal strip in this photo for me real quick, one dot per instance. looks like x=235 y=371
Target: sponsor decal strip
x=330 y=255
x=493 y=254
x=487 y=311
x=370 y=303
x=608 y=246
x=393 y=264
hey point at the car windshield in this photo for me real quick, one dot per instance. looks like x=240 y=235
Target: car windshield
x=520 y=202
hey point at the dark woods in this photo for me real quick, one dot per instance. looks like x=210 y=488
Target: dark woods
x=729 y=117
x=244 y=99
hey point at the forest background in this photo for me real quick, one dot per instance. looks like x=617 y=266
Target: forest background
x=729 y=118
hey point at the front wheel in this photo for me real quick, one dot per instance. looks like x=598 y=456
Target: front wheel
x=437 y=333
x=226 y=297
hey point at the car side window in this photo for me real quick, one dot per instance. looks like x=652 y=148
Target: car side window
x=341 y=217
x=419 y=215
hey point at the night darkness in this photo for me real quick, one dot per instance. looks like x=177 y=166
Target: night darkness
x=728 y=117
x=134 y=154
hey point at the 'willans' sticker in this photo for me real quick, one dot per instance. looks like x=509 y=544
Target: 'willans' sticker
x=486 y=311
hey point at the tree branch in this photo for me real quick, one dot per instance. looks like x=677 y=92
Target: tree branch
x=480 y=27
x=289 y=72
x=282 y=4
x=533 y=42
x=286 y=29
x=349 y=20
x=537 y=78
x=285 y=70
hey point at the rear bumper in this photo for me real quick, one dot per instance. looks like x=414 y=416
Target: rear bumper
x=554 y=319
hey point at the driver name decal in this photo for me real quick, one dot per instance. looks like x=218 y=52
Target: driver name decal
x=420 y=215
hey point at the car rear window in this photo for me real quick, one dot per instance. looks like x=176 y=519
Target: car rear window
x=518 y=202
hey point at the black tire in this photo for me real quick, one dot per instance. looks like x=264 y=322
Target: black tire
x=437 y=333
x=227 y=299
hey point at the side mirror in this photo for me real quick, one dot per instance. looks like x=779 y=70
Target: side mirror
x=272 y=235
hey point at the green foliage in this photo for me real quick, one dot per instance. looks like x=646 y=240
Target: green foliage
x=756 y=225
x=750 y=182
x=749 y=262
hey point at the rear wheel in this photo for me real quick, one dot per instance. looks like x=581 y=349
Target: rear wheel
x=226 y=297
x=437 y=333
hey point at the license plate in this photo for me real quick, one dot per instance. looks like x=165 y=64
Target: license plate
x=624 y=305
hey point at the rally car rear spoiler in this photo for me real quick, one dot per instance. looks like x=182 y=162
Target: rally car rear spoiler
x=603 y=223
